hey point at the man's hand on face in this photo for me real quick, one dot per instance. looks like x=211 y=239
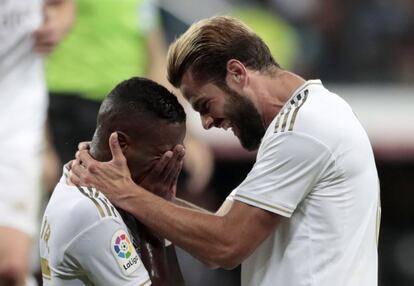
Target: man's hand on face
x=113 y=178
x=162 y=178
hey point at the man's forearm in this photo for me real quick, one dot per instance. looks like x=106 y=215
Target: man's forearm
x=186 y=204
x=201 y=234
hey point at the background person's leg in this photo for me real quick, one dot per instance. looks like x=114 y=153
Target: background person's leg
x=14 y=256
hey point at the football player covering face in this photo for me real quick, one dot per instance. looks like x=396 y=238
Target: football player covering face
x=145 y=136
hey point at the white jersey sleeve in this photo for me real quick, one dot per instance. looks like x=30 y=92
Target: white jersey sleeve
x=287 y=168
x=105 y=252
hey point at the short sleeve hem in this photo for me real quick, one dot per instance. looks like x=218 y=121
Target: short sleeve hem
x=230 y=197
x=264 y=204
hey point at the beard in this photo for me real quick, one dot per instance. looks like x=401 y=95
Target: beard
x=245 y=117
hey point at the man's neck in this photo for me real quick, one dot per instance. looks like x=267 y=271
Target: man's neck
x=274 y=91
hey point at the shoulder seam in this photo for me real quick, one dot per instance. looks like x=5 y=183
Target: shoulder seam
x=90 y=196
x=290 y=113
x=98 y=201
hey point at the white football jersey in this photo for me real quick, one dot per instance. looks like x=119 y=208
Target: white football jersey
x=23 y=99
x=84 y=241
x=315 y=167
x=23 y=105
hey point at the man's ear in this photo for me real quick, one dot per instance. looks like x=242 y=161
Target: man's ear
x=124 y=141
x=236 y=74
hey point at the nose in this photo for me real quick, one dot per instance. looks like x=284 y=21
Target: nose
x=207 y=121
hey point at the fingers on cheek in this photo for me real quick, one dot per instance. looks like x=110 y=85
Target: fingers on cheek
x=168 y=155
x=83 y=155
x=84 y=179
x=75 y=180
x=159 y=167
x=83 y=146
x=92 y=168
x=181 y=155
x=175 y=166
x=76 y=167
x=122 y=160
x=180 y=166
x=176 y=172
x=172 y=162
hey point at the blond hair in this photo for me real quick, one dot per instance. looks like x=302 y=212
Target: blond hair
x=208 y=44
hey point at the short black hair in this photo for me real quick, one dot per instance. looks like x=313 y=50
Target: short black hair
x=143 y=95
x=134 y=102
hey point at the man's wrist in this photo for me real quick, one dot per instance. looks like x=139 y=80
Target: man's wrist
x=131 y=197
x=130 y=193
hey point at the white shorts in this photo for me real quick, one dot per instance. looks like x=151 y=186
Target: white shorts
x=23 y=105
x=20 y=181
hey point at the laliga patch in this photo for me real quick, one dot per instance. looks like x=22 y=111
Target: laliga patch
x=124 y=252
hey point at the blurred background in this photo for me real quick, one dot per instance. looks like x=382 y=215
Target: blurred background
x=362 y=50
